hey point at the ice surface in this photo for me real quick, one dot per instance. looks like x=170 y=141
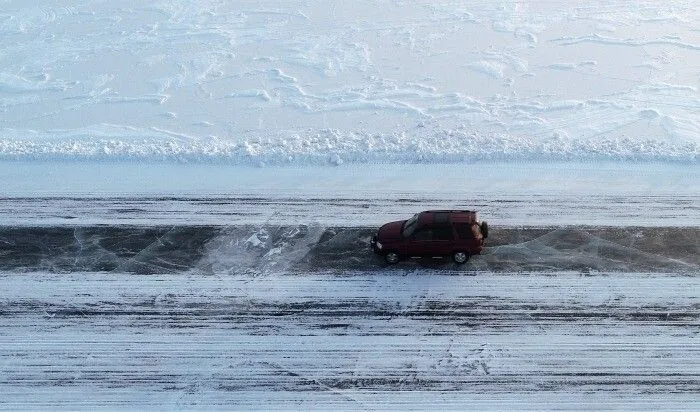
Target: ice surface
x=409 y=341
x=274 y=248
x=326 y=82
x=505 y=194
x=153 y=260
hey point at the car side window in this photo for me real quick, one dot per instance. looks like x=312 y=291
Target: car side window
x=464 y=231
x=442 y=233
x=433 y=233
x=423 y=234
x=441 y=218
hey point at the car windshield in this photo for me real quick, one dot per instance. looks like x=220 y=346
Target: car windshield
x=409 y=226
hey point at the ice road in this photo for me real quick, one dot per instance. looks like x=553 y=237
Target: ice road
x=389 y=339
x=303 y=316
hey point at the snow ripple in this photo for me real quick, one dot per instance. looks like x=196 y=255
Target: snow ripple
x=325 y=82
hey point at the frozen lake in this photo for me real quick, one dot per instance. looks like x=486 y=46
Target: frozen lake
x=188 y=189
x=396 y=339
x=326 y=82
x=504 y=193
x=209 y=287
x=305 y=317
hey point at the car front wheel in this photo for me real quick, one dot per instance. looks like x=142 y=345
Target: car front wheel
x=391 y=258
x=460 y=257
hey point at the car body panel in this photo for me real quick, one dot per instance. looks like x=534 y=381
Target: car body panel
x=391 y=230
x=436 y=233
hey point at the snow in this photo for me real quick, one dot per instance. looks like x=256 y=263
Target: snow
x=510 y=194
x=384 y=340
x=322 y=113
x=298 y=83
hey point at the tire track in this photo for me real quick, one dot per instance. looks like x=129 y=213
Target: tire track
x=351 y=340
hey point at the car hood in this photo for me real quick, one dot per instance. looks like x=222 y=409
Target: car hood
x=390 y=231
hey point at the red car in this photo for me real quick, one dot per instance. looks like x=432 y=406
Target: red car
x=454 y=233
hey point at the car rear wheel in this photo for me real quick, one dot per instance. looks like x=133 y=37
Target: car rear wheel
x=391 y=258
x=460 y=257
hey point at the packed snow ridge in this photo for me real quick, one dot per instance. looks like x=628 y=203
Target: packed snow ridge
x=325 y=82
x=335 y=147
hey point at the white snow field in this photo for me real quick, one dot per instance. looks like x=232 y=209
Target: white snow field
x=150 y=152
x=511 y=194
x=325 y=82
x=387 y=340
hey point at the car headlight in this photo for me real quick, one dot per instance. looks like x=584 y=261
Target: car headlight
x=379 y=246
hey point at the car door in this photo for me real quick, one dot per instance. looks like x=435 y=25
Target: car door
x=430 y=241
x=419 y=242
x=442 y=240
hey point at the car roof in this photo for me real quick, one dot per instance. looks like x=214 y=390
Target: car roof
x=455 y=216
x=449 y=211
